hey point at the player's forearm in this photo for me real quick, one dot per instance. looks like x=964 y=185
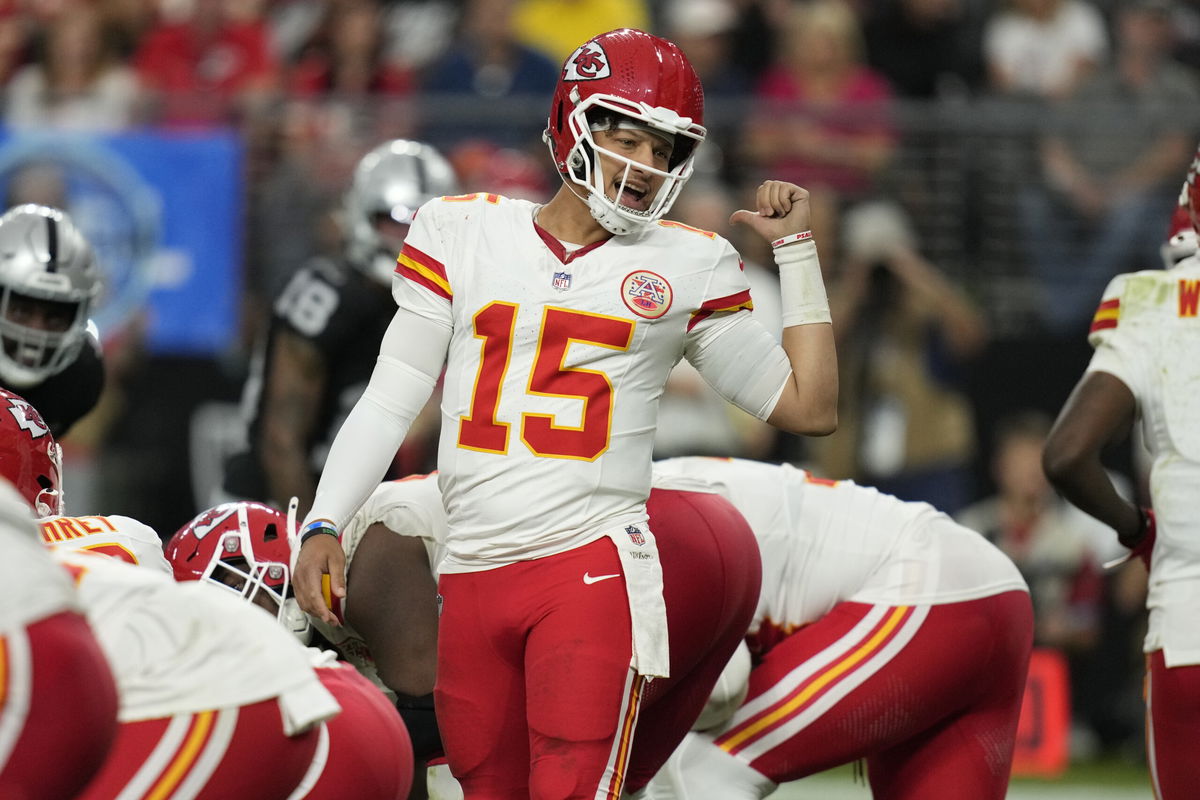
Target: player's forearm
x=808 y=404
x=1086 y=485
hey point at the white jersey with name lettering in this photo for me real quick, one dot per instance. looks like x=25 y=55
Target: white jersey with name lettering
x=824 y=542
x=121 y=537
x=178 y=648
x=26 y=571
x=557 y=362
x=1147 y=334
x=410 y=506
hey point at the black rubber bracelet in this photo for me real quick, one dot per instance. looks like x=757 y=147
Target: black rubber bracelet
x=326 y=529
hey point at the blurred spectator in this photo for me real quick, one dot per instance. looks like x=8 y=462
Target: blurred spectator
x=1059 y=551
x=692 y=418
x=704 y=30
x=14 y=39
x=904 y=334
x=346 y=55
x=482 y=166
x=822 y=116
x=420 y=31
x=925 y=48
x=556 y=27
x=210 y=65
x=485 y=74
x=1110 y=166
x=77 y=80
x=128 y=21
x=1043 y=48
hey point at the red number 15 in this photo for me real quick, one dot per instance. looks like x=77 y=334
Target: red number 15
x=494 y=324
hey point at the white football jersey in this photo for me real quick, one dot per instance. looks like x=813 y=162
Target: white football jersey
x=1147 y=333
x=411 y=507
x=27 y=572
x=556 y=364
x=824 y=542
x=179 y=648
x=120 y=537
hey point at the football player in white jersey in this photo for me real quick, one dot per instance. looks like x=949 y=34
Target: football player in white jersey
x=247 y=547
x=31 y=460
x=557 y=325
x=388 y=618
x=884 y=631
x=207 y=688
x=1146 y=335
x=57 y=695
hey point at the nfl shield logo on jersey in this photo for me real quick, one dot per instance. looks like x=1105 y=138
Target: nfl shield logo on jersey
x=562 y=281
x=635 y=534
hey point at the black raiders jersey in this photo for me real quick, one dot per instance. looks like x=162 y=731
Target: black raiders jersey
x=63 y=398
x=343 y=313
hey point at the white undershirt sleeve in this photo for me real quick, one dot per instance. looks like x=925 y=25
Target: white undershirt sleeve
x=410 y=360
x=742 y=361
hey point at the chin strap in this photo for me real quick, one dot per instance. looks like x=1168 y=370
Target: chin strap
x=609 y=219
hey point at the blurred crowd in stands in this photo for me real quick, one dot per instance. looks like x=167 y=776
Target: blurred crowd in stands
x=979 y=168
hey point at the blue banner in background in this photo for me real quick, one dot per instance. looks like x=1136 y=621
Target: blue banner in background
x=164 y=212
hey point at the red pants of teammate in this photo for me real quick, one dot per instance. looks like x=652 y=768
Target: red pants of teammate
x=365 y=752
x=535 y=696
x=929 y=695
x=209 y=755
x=58 y=709
x=1173 y=710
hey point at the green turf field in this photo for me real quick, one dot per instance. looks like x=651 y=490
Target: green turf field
x=1101 y=780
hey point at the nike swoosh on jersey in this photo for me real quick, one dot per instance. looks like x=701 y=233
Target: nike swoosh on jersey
x=589 y=580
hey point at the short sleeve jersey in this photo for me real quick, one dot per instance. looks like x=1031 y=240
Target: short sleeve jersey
x=181 y=648
x=117 y=536
x=824 y=542
x=556 y=364
x=1146 y=333
x=342 y=313
x=410 y=507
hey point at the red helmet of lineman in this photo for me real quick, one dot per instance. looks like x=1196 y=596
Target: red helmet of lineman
x=629 y=78
x=29 y=457
x=1182 y=237
x=246 y=547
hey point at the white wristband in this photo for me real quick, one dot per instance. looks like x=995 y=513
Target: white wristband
x=801 y=287
x=802 y=236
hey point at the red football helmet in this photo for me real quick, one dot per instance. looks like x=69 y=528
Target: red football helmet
x=246 y=547
x=639 y=78
x=29 y=457
x=1185 y=223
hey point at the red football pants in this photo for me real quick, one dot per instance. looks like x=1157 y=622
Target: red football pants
x=209 y=755
x=535 y=696
x=1173 y=711
x=929 y=695
x=56 y=697
x=365 y=752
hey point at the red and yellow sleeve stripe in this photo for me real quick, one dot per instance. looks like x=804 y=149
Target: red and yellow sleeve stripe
x=423 y=270
x=721 y=305
x=1107 y=315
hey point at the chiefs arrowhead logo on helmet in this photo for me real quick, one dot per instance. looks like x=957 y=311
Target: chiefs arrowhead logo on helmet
x=589 y=62
x=27 y=417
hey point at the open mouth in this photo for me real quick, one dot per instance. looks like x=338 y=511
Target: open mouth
x=633 y=198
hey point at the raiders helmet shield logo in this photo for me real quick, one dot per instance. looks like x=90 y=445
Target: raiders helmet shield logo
x=589 y=62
